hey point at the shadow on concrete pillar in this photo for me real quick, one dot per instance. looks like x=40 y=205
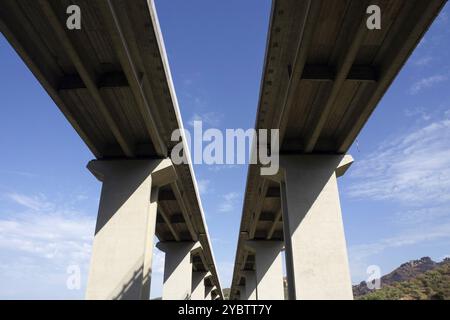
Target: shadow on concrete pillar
x=177 y=269
x=269 y=268
x=208 y=292
x=316 y=252
x=250 y=285
x=123 y=243
x=199 y=289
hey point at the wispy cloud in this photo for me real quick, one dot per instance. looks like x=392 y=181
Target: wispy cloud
x=423 y=61
x=421 y=215
x=406 y=238
x=229 y=202
x=53 y=236
x=427 y=83
x=220 y=241
x=220 y=167
x=158 y=261
x=412 y=169
x=362 y=255
x=35 y=202
x=212 y=119
x=38 y=244
x=416 y=112
x=19 y=173
x=203 y=185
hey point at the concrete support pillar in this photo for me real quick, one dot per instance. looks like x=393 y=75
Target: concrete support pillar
x=177 y=269
x=123 y=243
x=208 y=292
x=241 y=295
x=316 y=253
x=269 y=269
x=250 y=285
x=198 y=285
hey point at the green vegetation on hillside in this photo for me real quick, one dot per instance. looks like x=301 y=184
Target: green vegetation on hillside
x=431 y=285
x=226 y=293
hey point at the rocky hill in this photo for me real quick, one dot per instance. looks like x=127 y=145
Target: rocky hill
x=421 y=279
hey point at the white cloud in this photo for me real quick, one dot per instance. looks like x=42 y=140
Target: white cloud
x=24 y=174
x=362 y=255
x=52 y=236
x=38 y=244
x=220 y=167
x=157 y=272
x=406 y=238
x=423 y=61
x=413 y=172
x=231 y=196
x=229 y=202
x=203 y=185
x=34 y=202
x=427 y=83
x=211 y=119
x=421 y=114
x=158 y=261
x=420 y=215
x=413 y=169
x=219 y=241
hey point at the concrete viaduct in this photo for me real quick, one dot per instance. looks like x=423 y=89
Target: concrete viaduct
x=111 y=80
x=324 y=74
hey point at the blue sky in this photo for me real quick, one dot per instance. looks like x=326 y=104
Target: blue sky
x=395 y=198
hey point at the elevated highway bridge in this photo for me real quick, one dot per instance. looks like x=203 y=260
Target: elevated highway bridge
x=112 y=81
x=325 y=72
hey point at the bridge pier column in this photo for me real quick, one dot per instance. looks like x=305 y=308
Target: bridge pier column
x=177 y=269
x=316 y=253
x=123 y=243
x=269 y=269
x=199 y=290
x=250 y=285
x=242 y=293
x=208 y=292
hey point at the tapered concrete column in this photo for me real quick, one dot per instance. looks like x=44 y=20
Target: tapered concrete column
x=250 y=285
x=198 y=285
x=123 y=243
x=269 y=269
x=208 y=292
x=242 y=293
x=177 y=269
x=316 y=253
